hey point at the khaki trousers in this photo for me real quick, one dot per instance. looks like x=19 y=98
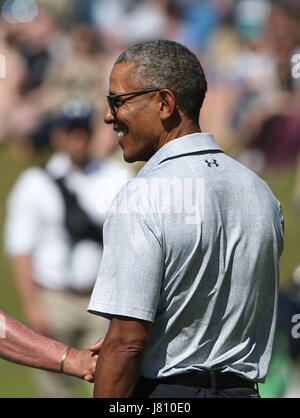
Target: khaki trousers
x=72 y=324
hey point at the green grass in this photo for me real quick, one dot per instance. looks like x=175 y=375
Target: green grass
x=15 y=380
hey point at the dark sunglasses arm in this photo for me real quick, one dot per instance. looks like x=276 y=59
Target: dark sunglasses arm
x=112 y=96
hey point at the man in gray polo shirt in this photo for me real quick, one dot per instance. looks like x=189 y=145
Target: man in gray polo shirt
x=189 y=273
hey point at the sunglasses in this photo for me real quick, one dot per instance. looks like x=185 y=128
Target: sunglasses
x=115 y=100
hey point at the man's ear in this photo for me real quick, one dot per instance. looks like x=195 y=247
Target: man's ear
x=167 y=104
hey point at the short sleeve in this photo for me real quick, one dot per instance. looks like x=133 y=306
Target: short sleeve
x=131 y=271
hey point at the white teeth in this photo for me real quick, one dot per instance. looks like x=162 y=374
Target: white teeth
x=120 y=134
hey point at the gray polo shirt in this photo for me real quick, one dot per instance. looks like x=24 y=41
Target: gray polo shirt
x=192 y=244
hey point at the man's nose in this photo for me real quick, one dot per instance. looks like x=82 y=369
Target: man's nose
x=109 y=116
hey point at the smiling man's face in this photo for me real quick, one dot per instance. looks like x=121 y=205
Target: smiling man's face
x=136 y=122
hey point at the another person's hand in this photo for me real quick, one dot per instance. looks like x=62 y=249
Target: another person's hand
x=80 y=363
x=97 y=346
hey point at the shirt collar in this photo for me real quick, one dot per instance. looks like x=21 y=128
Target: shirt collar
x=187 y=144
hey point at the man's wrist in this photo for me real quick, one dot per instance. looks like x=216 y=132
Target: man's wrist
x=61 y=365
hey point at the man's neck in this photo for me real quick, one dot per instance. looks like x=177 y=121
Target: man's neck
x=185 y=128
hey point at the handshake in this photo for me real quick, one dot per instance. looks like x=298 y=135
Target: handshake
x=22 y=345
x=81 y=363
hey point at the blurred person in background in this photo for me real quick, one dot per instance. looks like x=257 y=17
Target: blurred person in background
x=10 y=86
x=188 y=21
x=200 y=19
x=40 y=42
x=269 y=112
x=30 y=47
x=47 y=65
x=251 y=88
x=123 y=22
x=243 y=74
x=66 y=11
x=53 y=235
x=54 y=65
x=82 y=73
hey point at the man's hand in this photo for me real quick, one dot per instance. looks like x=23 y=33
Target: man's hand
x=97 y=346
x=80 y=363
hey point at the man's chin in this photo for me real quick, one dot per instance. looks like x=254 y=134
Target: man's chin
x=129 y=158
x=133 y=158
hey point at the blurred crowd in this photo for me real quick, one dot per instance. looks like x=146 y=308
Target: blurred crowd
x=57 y=52
x=60 y=50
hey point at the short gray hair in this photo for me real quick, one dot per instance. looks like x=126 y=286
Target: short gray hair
x=167 y=64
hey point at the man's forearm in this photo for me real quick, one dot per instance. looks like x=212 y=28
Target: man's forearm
x=117 y=371
x=121 y=357
x=20 y=344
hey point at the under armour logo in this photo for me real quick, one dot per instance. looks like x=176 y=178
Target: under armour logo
x=210 y=163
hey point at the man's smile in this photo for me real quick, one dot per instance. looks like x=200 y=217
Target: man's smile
x=120 y=134
x=121 y=131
